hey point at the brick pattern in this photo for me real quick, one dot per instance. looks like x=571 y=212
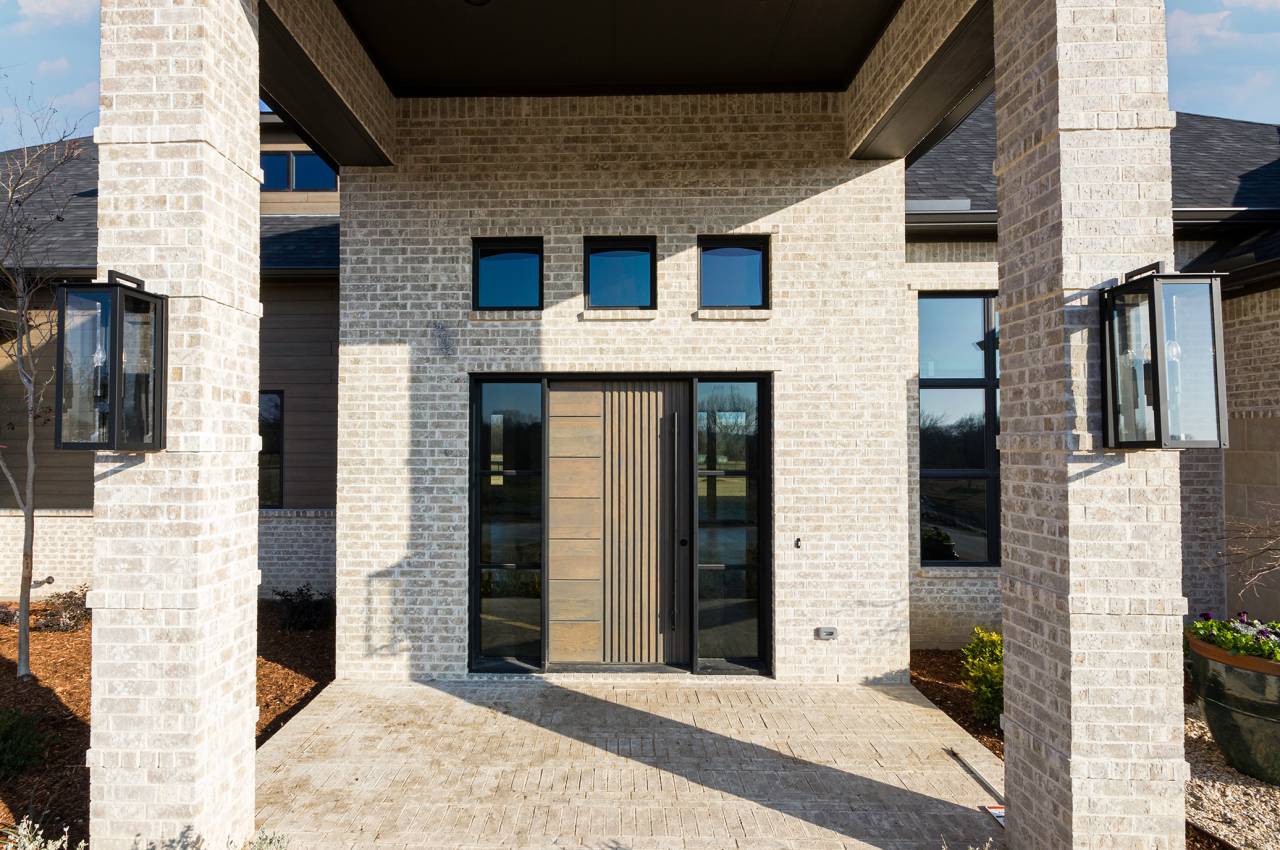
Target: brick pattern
x=918 y=29
x=838 y=342
x=296 y=547
x=1251 y=324
x=1091 y=569
x=662 y=764
x=175 y=564
x=63 y=549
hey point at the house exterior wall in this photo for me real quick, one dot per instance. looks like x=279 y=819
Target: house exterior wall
x=1251 y=325
x=838 y=341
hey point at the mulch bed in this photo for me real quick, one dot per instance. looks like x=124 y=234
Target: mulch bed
x=292 y=668
x=938 y=675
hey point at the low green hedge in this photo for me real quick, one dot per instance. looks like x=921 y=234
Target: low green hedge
x=984 y=674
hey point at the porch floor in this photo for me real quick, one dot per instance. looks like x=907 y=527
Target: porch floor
x=624 y=763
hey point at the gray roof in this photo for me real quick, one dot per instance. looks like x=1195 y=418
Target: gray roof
x=289 y=242
x=1217 y=162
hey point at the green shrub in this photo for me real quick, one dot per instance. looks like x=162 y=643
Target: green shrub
x=21 y=742
x=63 y=612
x=28 y=836
x=1240 y=635
x=984 y=674
x=304 y=610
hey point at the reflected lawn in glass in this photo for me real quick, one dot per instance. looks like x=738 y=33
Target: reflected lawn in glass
x=511 y=613
x=953 y=519
x=728 y=613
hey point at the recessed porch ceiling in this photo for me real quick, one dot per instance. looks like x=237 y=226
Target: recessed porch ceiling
x=548 y=47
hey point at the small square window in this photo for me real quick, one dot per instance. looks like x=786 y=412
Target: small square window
x=275 y=172
x=733 y=271
x=621 y=272
x=506 y=274
x=313 y=174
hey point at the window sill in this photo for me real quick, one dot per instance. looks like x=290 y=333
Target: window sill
x=505 y=316
x=958 y=571
x=627 y=315
x=731 y=314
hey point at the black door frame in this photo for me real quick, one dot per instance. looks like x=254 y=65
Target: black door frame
x=764 y=413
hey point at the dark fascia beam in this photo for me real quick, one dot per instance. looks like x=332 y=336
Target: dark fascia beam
x=950 y=86
x=300 y=93
x=980 y=225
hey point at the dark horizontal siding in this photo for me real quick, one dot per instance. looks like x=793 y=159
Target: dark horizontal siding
x=300 y=358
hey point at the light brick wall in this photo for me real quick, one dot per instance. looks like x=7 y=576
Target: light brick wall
x=175 y=559
x=63 y=550
x=295 y=547
x=1091 y=567
x=838 y=341
x=1251 y=326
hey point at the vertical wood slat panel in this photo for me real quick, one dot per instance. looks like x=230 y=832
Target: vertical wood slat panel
x=639 y=486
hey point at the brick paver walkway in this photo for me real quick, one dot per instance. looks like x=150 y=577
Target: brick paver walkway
x=662 y=763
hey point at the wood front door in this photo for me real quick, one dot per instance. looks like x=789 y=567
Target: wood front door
x=618 y=514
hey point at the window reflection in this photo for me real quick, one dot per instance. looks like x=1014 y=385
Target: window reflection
x=732 y=273
x=508 y=494
x=952 y=337
x=86 y=410
x=728 y=543
x=1134 y=385
x=508 y=274
x=1190 y=362
x=620 y=273
x=953 y=519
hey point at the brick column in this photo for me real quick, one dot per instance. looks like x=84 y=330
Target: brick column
x=1092 y=573
x=175 y=571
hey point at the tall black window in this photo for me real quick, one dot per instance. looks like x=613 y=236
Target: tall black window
x=730 y=474
x=271 y=456
x=959 y=420
x=507 y=529
x=733 y=271
x=621 y=272
x=296 y=171
x=506 y=274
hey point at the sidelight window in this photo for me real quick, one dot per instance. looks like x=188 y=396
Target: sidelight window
x=508 y=425
x=959 y=406
x=730 y=470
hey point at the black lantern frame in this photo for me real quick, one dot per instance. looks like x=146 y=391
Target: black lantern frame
x=119 y=398
x=1156 y=375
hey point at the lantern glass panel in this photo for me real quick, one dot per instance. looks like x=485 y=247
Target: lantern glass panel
x=1189 y=365
x=138 y=396
x=86 y=381
x=1134 y=392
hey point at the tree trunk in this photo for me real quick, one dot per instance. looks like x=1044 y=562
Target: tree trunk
x=24 y=595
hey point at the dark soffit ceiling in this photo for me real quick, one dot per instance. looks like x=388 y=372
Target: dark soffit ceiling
x=561 y=47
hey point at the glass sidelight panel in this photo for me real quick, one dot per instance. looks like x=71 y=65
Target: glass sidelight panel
x=511 y=613
x=507 y=493
x=86 y=412
x=730 y=470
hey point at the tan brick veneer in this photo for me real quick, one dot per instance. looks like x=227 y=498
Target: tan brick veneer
x=839 y=342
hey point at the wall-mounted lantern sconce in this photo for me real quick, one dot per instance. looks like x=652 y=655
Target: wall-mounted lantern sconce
x=1163 y=377
x=112 y=339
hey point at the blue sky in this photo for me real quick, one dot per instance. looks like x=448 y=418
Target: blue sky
x=1224 y=59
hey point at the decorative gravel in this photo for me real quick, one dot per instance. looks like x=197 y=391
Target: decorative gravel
x=1236 y=808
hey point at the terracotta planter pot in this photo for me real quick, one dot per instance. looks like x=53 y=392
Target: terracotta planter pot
x=1241 y=698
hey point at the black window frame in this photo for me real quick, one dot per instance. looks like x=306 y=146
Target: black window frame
x=753 y=240
x=990 y=472
x=291 y=171
x=499 y=244
x=280 y=394
x=478 y=662
x=592 y=244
